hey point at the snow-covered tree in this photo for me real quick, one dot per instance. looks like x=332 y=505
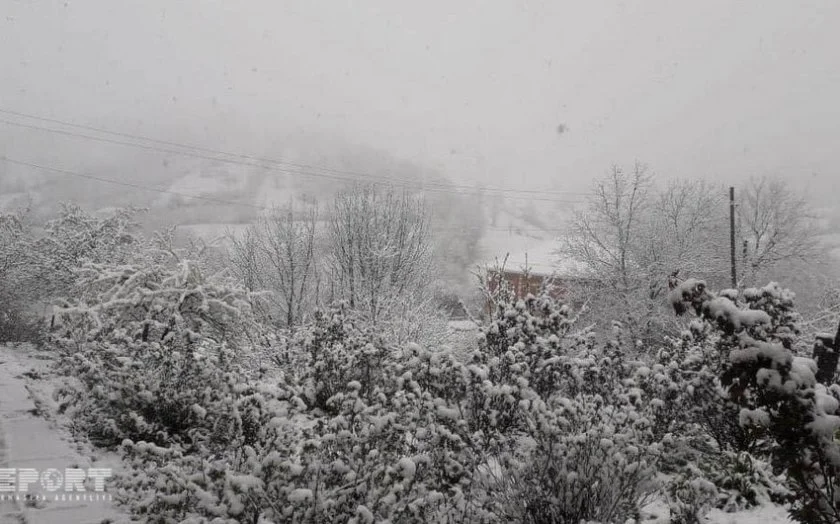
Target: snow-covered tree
x=76 y=237
x=18 y=302
x=776 y=226
x=278 y=254
x=380 y=245
x=380 y=258
x=634 y=235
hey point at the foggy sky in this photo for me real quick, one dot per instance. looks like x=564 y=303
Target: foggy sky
x=720 y=88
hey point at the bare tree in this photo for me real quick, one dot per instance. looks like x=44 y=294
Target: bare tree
x=776 y=226
x=603 y=237
x=245 y=257
x=277 y=254
x=13 y=240
x=15 y=282
x=686 y=232
x=634 y=236
x=379 y=246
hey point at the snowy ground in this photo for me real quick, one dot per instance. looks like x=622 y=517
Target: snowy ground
x=657 y=513
x=762 y=515
x=32 y=435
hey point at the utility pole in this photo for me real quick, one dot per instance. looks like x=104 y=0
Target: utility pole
x=732 y=236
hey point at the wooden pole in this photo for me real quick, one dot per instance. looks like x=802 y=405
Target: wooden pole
x=732 y=236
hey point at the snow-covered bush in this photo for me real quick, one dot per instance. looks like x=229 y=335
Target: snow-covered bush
x=143 y=343
x=588 y=460
x=227 y=474
x=697 y=417
x=777 y=393
x=690 y=496
x=323 y=447
x=76 y=237
x=725 y=480
x=538 y=424
x=586 y=447
x=18 y=321
x=18 y=318
x=744 y=480
x=159 y=303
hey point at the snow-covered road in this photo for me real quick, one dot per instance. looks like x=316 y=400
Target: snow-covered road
x=29 y=439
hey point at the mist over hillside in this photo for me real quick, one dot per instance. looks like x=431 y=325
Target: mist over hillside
x=208 y=194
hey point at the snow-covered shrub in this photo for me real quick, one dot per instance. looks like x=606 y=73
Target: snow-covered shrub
x=320 y=450
x=19 y=321
x=139 y=393
x=76 y=237
x=538 y=424
x=690 y=496
x=692 y=405
x=160 y=303
x=778 y=394
x=725 y=480
x=229 y=473
x=586 y=447
x=144 y=343
x=588 y=460
x=391 y=441
x=701 y=420
x=482 y=434
x=744 y=480
x=365 y=431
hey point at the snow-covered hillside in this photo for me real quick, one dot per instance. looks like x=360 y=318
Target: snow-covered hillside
x=511 y=232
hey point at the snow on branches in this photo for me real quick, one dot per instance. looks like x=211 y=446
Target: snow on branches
x=777 y=392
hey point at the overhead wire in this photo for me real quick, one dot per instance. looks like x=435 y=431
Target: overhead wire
x=419 y=187
x=220 y=201
x=244 y=159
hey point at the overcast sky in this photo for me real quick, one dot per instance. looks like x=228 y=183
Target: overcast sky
x=716 y=88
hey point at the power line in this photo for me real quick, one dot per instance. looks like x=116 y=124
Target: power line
x=269 y=168
x=230 y=202
x=259 y=161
